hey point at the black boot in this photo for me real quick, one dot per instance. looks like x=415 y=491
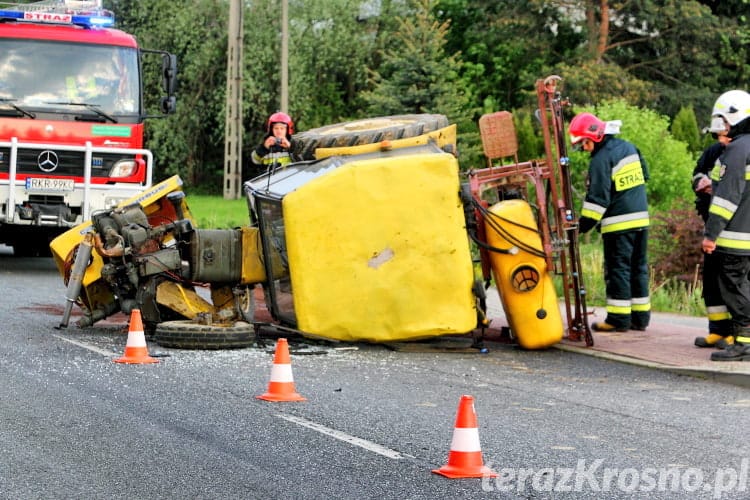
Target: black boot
x=734 y=352
x=739 y=351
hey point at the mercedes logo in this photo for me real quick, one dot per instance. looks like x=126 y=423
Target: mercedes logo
x=47 y=160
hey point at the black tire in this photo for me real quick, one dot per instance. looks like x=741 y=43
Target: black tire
x=365 y=131
x=184 y=334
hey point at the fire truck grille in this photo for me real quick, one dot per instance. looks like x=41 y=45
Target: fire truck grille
x=69 y=163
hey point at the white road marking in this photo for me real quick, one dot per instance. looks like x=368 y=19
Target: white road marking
x=342 y=436
x=86 y=346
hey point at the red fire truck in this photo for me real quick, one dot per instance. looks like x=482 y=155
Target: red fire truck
x=72 y=117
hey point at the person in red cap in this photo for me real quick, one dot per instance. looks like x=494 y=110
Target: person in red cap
x=274 y=151
x=616 y=202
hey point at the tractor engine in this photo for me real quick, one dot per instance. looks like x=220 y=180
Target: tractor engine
x=155 y=268
x=135 y=252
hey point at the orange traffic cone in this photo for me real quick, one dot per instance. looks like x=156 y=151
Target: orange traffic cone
x=136 y=352
x=281 y=386
x=465 y=456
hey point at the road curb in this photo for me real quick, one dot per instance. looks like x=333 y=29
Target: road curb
x=741 y=379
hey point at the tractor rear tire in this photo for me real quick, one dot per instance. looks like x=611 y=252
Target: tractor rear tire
x=365 y=131
x=184 y=334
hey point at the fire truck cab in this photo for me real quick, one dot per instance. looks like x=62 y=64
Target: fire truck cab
x=72 y=115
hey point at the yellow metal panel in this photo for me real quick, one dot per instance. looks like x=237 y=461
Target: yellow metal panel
x=182 y=300
x=442 y=137
x=252 y=263
x=63 y=245
x=378 y=251
x=526 y=288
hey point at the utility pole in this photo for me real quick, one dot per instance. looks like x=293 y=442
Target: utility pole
x=233 y=120
x=285 y=56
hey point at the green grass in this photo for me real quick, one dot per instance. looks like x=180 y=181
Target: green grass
x=214 y=212
x=670 y=296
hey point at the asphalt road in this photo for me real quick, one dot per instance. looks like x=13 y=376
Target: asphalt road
x=74 y=424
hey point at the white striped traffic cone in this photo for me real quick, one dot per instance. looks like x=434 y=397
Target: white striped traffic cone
x=136 y=352
x=465 y=455
x=281 y=386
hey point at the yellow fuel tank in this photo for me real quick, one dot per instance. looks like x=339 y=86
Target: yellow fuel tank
x=526 y=288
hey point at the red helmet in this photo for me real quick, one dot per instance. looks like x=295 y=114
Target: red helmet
x=280 y=117
x=586 y=125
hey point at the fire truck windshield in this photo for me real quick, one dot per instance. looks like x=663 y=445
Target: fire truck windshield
x=53 y=77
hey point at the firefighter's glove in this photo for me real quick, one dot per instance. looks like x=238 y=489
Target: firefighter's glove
x=586 y=224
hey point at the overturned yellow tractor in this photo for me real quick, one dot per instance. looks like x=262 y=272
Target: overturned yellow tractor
x=364 y=239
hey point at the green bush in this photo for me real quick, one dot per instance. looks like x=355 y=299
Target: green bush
x=675 y=244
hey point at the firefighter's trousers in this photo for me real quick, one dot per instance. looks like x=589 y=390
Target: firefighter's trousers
x=719 y=319
x=626 y=278
x=734 y=287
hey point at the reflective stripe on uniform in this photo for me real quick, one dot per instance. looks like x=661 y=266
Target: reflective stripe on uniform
x=641 y=304
x=717 y=313
x=618 y=306
x=628 y=173
x=592 y=210
x=723 y=208
x=282 y=158
x=623 y=222
x=733 y=239
x=71 y=88
x=715 y=173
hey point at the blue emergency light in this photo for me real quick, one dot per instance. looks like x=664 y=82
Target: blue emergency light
x=89 y=18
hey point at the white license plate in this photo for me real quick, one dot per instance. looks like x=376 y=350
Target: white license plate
x=54 y=185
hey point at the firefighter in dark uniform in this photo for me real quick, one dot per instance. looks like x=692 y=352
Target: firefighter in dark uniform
x=727 y=229
x=616 y=201
x=719 y=324
x=273 y=152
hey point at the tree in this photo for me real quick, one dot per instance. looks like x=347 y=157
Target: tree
x=418 y=76
x=332 y=43
x=190 y=142
x=685 y=128
x=479 y=56
x=530 y=140
x=335 y=41
x=664 y=53
x=505 y=46
x=588 y=83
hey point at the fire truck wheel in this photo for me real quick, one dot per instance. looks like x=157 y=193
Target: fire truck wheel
x=184 y=334
x=365 y=131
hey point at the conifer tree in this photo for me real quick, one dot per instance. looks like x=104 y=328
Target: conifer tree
x=418 y=76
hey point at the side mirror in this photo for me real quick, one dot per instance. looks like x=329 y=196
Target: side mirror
x=168 y=105
x=169 y=73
